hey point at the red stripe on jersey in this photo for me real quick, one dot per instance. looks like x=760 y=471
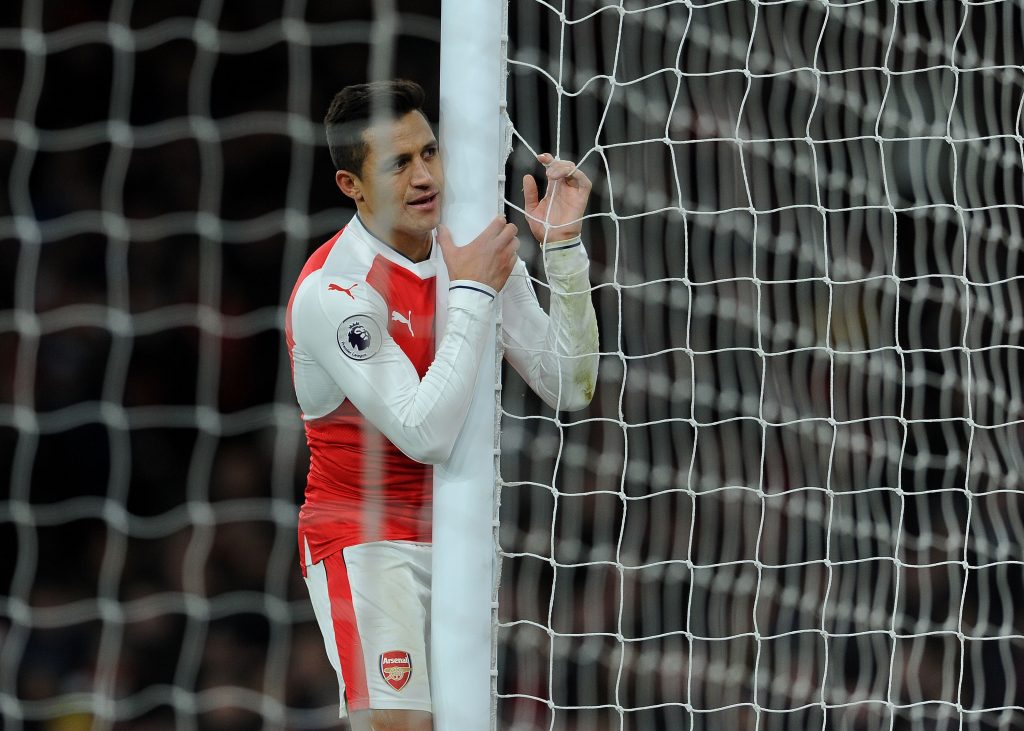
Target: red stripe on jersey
x=361 y=487
x=346 y=633
x=410 y=303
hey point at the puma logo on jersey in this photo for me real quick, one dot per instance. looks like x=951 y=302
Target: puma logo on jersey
x=332 y=287
x=404 y=319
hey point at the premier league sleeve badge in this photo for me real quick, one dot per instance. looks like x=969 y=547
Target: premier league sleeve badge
x=359 y=337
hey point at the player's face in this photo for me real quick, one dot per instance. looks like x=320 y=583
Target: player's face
x=402 y=182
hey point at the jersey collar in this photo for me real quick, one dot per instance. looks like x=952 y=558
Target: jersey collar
x=423 y=269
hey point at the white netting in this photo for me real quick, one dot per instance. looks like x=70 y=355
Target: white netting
x=165 y=177
x=796 y=499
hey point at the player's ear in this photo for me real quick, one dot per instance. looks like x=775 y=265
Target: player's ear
x=349 y=184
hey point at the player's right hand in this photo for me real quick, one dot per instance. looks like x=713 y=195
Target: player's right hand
x=488 y=258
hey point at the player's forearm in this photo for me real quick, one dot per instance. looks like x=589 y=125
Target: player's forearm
x=557 y=354
x=428 y=423
x=573 y=333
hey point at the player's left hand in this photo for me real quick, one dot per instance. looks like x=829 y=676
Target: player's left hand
x=563 y=204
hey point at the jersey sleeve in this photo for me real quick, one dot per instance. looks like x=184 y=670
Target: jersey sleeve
x=556 y=354
x=348 y=337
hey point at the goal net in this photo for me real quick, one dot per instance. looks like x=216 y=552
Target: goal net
x=795 y=501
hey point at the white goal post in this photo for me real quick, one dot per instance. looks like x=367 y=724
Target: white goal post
x=463 y=592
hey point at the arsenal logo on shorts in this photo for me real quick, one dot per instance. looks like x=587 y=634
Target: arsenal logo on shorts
x=396 y=667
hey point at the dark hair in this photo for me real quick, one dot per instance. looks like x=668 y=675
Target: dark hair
x=353 y=108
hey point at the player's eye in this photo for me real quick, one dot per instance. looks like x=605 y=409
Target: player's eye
x=430 y=152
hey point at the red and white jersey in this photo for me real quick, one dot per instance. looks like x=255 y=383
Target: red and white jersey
x=381 y=403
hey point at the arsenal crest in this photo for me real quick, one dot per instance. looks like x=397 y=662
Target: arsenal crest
x=396 y=668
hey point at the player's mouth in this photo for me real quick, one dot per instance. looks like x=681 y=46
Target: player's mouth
x=425 y=203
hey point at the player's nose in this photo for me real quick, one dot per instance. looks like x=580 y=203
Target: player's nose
x=421 y=175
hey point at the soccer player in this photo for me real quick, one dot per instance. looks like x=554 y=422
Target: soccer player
x=383 y=395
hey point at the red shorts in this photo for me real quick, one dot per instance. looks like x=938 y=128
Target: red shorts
x=372 y=602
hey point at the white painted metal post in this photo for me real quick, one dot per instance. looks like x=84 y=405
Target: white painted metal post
x=471 y=148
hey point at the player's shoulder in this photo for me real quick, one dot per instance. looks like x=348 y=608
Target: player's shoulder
x=338 y=278
x=338 y=294
x=355 y=311
x=339 y=306
x=344 y=293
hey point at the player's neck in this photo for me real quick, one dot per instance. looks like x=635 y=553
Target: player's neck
x=415 y=247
